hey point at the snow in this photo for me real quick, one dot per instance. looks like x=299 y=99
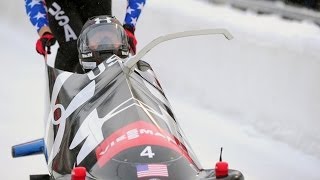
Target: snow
x=256 y=95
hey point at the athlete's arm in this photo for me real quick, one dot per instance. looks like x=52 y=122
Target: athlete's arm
x=37 y=12
x=134 y=9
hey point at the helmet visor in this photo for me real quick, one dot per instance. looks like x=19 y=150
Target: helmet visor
x=104 y=37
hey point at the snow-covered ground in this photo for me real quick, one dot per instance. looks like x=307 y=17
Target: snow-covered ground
x=256 y=95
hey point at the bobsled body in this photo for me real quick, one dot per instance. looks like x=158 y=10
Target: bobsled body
x=117 y=125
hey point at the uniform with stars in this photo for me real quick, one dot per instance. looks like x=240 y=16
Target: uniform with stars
x=37 y=12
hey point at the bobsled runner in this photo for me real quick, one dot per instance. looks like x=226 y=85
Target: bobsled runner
x=115 y=123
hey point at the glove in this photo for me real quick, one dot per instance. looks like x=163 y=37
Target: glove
x=131 y=38
x=46 y=40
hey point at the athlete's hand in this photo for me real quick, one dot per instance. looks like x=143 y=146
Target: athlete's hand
x=131 y=38
x=44 y=43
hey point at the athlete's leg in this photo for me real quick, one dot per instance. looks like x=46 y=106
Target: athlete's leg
x=65 y=23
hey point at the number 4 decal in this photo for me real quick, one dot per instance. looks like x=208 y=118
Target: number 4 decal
x=147 y=152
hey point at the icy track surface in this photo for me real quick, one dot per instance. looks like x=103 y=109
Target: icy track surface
x=256 y=95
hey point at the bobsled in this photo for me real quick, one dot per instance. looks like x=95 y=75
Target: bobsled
x=116 y=123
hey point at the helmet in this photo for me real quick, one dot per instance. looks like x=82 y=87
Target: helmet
x=100 y=38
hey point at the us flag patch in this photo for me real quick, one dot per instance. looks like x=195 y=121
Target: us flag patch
x=147 y=170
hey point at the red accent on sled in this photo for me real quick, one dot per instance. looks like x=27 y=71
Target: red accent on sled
x=221 y=169
x=137 y=134
x=57 y=112
x=78 y=173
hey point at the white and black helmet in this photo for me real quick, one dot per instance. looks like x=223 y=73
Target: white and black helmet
x=100 y=38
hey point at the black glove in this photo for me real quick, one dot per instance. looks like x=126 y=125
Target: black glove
x=46 y=40
x=131 y=38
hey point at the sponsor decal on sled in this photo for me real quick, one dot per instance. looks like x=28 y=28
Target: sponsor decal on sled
x=137 y=134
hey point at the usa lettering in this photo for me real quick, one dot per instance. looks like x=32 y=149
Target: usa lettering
x=63 y=21
x=102 y=67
